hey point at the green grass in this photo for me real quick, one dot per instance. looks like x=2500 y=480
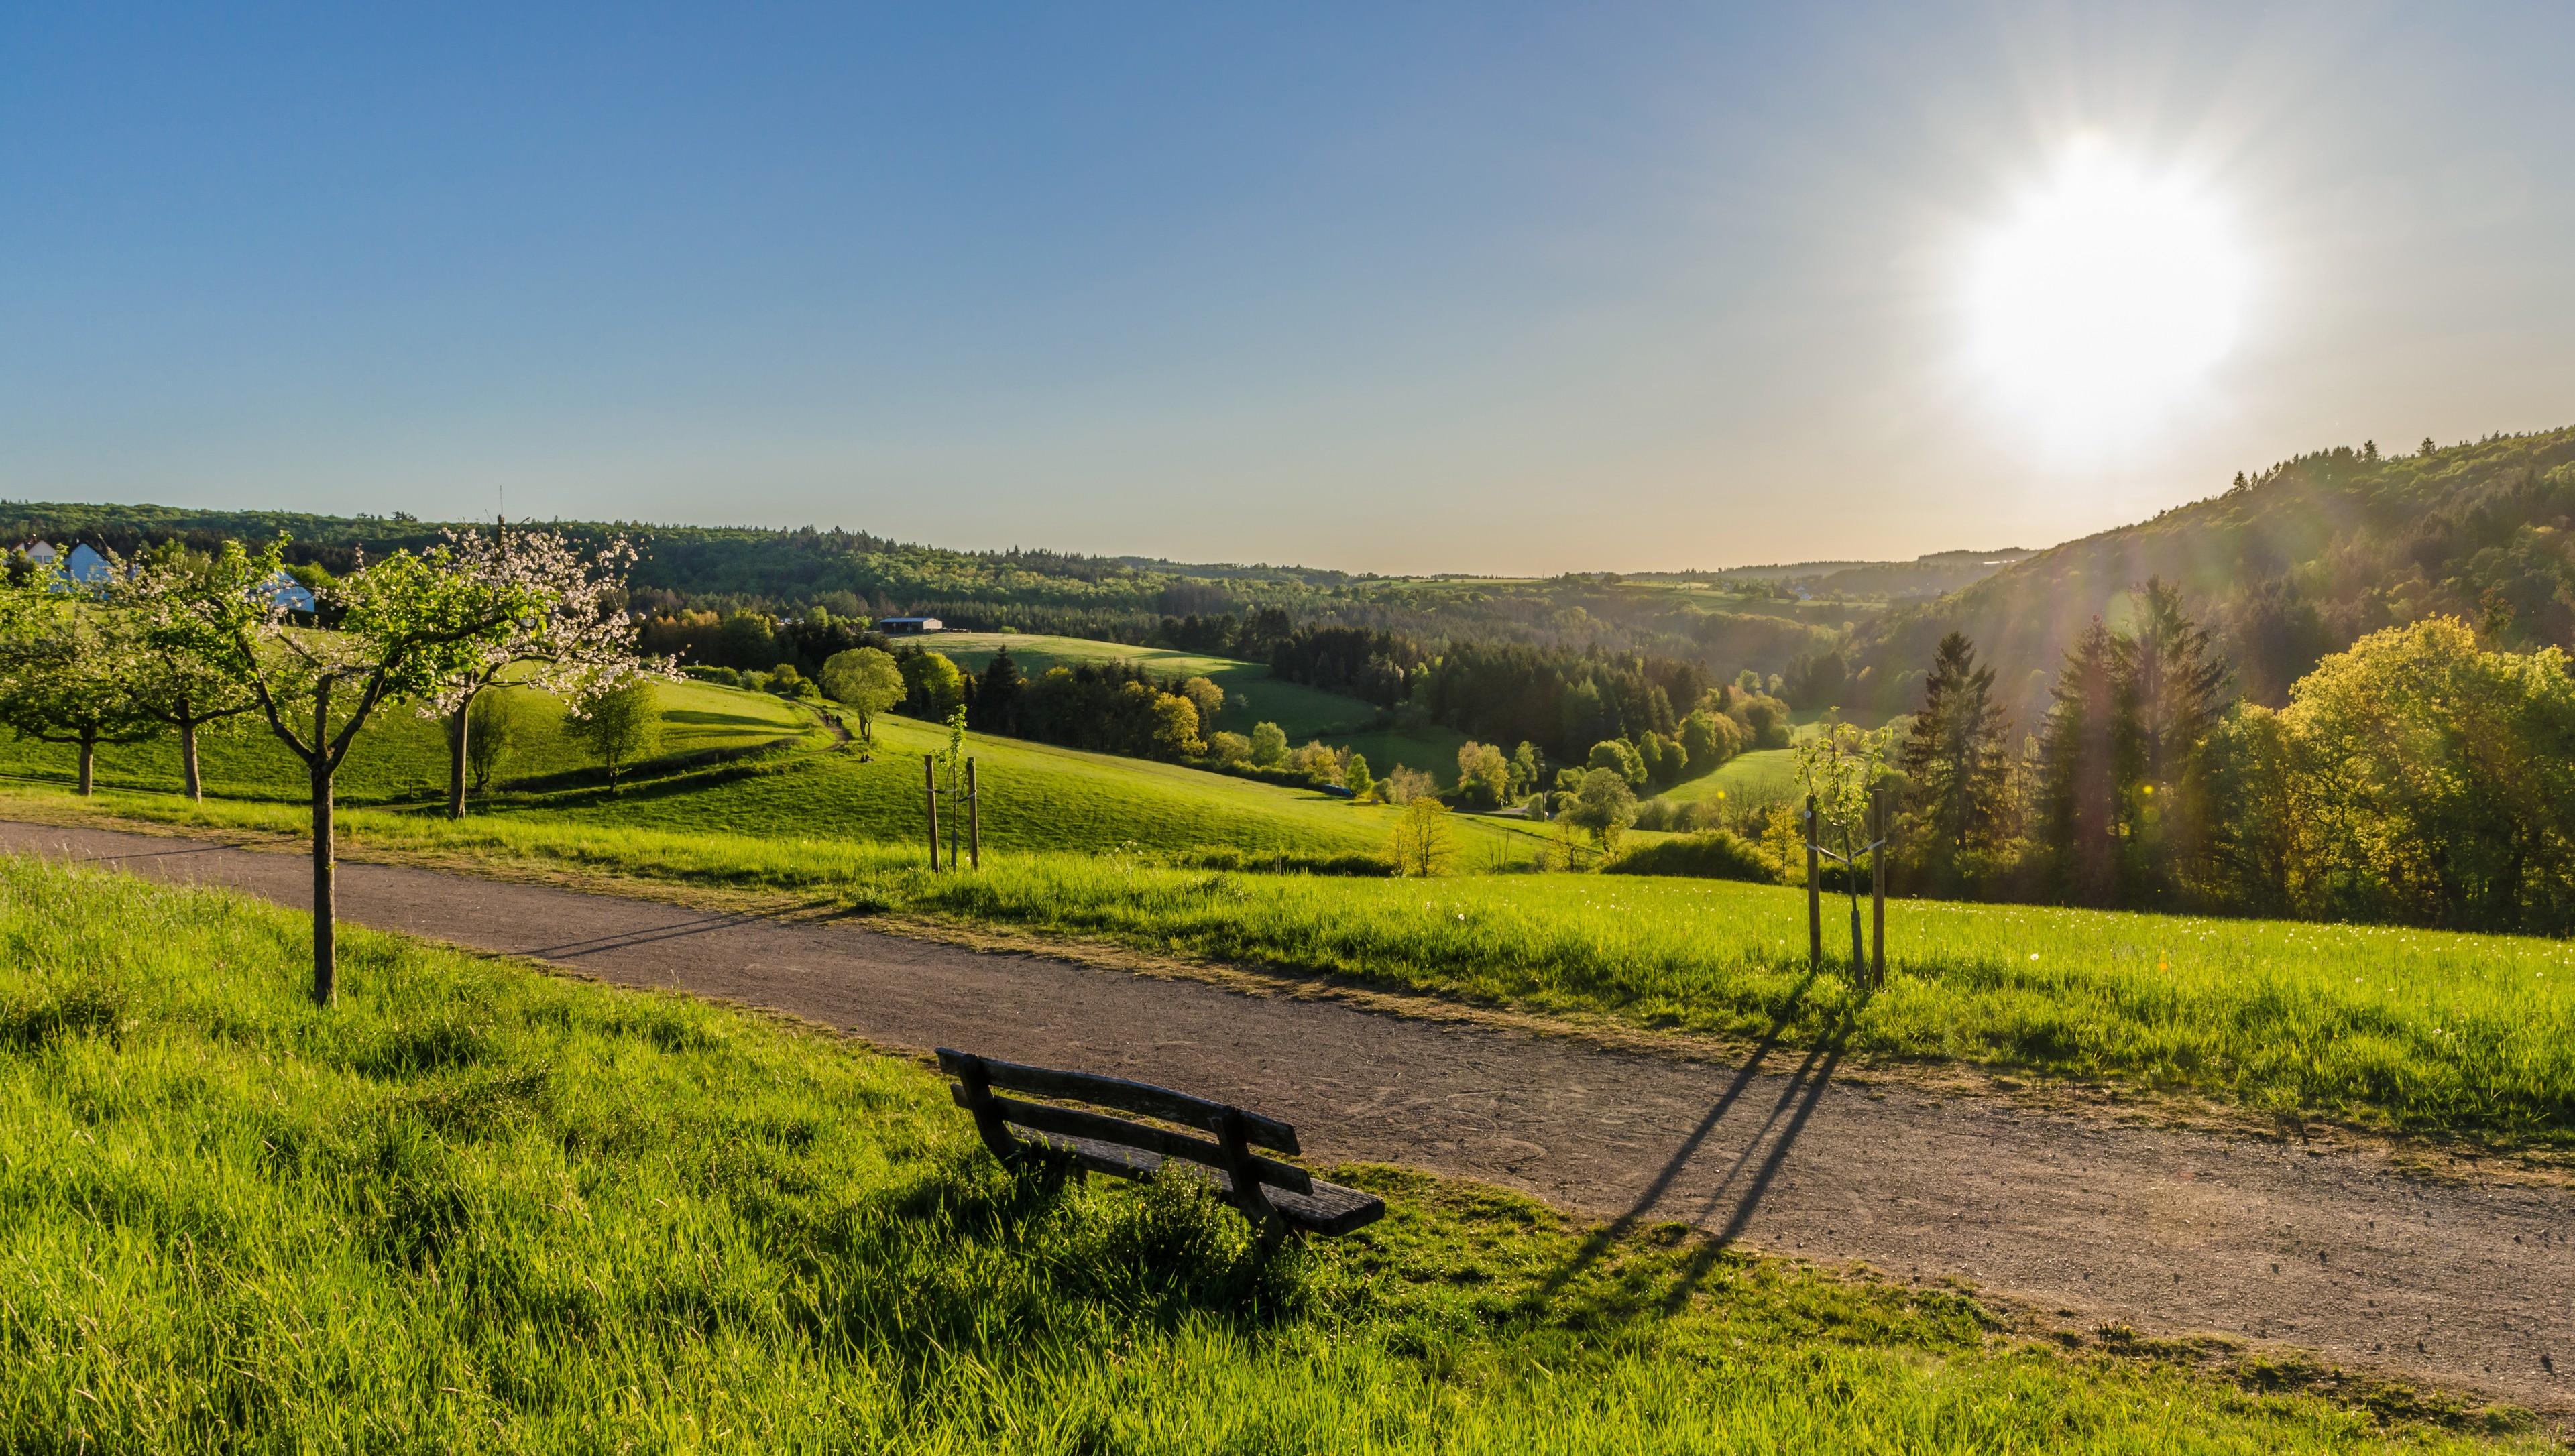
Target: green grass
x=402 y=755
x=1035 y=796
x=1765 y=776
x=2429 y=1032
x=475 y=1207
x=1303 y=713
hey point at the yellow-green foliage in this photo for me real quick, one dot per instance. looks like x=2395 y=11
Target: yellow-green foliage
x=476 y=1208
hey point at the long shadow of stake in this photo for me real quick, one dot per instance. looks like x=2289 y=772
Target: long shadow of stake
x=1601 y=1240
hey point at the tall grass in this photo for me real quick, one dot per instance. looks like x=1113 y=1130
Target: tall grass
x=473 y=1208
x=2426 y=1031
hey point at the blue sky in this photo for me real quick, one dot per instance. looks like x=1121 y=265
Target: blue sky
x=1470 y=288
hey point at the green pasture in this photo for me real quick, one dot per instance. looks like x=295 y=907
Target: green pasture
x=1034 y=797
x=401 y=755
x=474 y=1208
x=2432 y=1032
x=1765 y=776
x=1300 y=712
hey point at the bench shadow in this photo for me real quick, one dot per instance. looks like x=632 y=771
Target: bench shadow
x=1601 y=1239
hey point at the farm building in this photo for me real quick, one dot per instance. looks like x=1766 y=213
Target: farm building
x=909 y=625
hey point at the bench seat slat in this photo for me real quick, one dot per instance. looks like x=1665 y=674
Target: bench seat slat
x=1329 y=1209
x=1142 y=1098
x=1074 y=1122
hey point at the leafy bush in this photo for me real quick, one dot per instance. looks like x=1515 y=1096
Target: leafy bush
x=1711 y=854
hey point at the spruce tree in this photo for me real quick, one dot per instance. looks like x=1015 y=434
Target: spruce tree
x=2078 y=769
x=1956 y=762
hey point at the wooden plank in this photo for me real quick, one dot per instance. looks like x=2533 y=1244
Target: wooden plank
x=1093 y=1127
x=1142 y=1098
x=1329 y=1209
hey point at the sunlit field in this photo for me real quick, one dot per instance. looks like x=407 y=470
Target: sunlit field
x=476 y=1207
x=404 y=755
x=2469 y=1035
x=1300 y=712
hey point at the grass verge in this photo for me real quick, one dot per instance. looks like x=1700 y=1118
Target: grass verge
x=2458 y=1037
x=477 y=1207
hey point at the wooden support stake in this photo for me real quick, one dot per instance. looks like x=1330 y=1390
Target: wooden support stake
x=973 y=819
x=929 y=777
x=1877 y=889
x=1815 y=894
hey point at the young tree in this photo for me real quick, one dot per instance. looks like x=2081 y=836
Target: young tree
x=403 y=626
x=175 y=686
x=621 y=725
x=500 y=727
x=1838 y=767
x=1268 y=745
x=1957 y=761
x=1527 y=766
x=1424 y=844
x=68 y=671
x=867 y=683
x=1357 y=779
x=580 y=645
x=1605 y=805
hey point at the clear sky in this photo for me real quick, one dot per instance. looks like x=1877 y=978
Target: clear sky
x=1391 y=288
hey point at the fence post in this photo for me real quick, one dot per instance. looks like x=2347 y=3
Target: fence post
x=1877 y=889
x=930 y=780
x=1814 y=895
x=973 y=818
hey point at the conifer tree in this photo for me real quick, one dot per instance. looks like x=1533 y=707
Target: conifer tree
x=1956 y=761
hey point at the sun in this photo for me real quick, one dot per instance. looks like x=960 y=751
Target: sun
x=2104 y=298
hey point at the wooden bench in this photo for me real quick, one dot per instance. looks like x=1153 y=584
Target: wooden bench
x=1278 y=1198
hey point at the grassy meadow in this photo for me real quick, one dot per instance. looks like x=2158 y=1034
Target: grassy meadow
x=474 y=1208
x=1035 y=796
x=2428 y=1032
x=1300 y=712
x=402 y=755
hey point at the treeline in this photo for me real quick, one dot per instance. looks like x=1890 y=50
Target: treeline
x=2285 y=565
x=2423 y=777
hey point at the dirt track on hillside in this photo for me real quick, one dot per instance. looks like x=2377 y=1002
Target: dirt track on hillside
x=2330 y=1249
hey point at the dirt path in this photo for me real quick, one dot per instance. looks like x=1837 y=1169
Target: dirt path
x=2333 y=1251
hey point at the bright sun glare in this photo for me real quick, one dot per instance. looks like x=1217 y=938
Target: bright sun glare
x=2104 y=298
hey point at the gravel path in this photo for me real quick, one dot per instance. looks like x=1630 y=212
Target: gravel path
x=2332 y=1250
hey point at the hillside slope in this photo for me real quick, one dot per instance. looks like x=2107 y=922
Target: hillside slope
x=2298 y=562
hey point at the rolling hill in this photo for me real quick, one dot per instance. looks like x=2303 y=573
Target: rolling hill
x=2298 y=561
x=1300 y=712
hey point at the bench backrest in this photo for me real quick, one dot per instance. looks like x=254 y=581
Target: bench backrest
x=980 y=1083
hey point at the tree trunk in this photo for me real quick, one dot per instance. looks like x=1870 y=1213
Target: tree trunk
x=188 y=762
x=88 y=758
x=457 y=728
x=325 y=958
